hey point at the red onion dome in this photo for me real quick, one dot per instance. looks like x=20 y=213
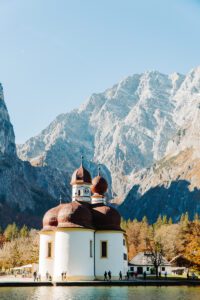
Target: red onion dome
x=99 y=185
x=75 y=215
x=50 y=220
x=81 y=175
x=106 y=217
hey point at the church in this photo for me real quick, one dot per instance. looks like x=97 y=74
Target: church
x=83 y=238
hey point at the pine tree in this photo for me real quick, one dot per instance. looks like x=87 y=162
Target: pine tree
x=144 y=220
x=11 y=232
x=196 y=218
x=24 y=232
x=159 y=222
x=170 y=222
x=164 y=220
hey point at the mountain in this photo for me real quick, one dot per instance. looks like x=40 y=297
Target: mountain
x=7 y=137
x=144 y=131
x=170 y=187
x=126 y=128
x=26 y=192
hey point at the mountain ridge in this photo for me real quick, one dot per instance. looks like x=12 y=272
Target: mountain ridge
x=136 y=111
x=144 y=131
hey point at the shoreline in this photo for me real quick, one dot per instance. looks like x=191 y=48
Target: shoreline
x=103 y=283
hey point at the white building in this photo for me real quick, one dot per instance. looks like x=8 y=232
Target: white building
x=142 y=263
x=83 y=238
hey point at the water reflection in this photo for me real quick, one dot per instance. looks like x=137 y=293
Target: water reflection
x=80 y=293
x=100 y=293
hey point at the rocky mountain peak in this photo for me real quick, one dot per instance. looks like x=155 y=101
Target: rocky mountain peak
x=7 y=137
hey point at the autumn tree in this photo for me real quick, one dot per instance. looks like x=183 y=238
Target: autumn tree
x=155 y=250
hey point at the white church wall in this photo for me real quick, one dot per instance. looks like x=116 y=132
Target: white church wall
x=46 y=262
x=97 y=200
x=116 y=249
x=72 y=254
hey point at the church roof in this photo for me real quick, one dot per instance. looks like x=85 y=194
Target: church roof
x=75 y=215
x=81 y=214
x=81 y=175
x=106 y=217
x=78 y=214
x=50 y=219
x=99 y=185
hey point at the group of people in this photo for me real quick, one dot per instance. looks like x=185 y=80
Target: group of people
x=160 y=274
x=36 y=276
x=126 y=277
x=64 y=276
x=107 y=276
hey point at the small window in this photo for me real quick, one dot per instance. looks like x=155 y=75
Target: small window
x=79 y=192
x=104 y=250
x=163 y=268
x=124 y=242
x=147 y=268
x=91 y=250
x=49 y=250
x=125 y=256
x=87 y=191
x=132 y=269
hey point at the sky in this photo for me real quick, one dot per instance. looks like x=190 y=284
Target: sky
x=55 y=53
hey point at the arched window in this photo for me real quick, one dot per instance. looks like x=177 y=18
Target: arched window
x=49 y=250
x=104 y=249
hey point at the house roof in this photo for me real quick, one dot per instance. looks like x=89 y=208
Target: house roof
x=180 y=261
x=144 y=259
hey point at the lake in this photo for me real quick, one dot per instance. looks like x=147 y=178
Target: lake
x=100 y=293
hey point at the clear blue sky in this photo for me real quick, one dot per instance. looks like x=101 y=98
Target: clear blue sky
x=55 y=53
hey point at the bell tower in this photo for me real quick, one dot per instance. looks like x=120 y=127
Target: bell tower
x=99 y=188
x=81 y=182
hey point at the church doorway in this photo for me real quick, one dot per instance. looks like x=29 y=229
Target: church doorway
x=140 y=270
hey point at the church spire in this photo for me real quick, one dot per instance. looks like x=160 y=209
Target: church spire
x=99 y=170
x=82 y=158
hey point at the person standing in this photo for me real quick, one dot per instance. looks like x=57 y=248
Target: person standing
x=105 y=276
x=120 y=275
x=144 y=275
x=127 y=275
x=35 y=275
x=47 y=275
x=109 y=275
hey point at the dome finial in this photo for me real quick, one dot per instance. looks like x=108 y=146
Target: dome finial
x=99 y=170
x=82 y=158
x=60 y=199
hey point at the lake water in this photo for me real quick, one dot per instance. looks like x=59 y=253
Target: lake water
x=100 y=293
